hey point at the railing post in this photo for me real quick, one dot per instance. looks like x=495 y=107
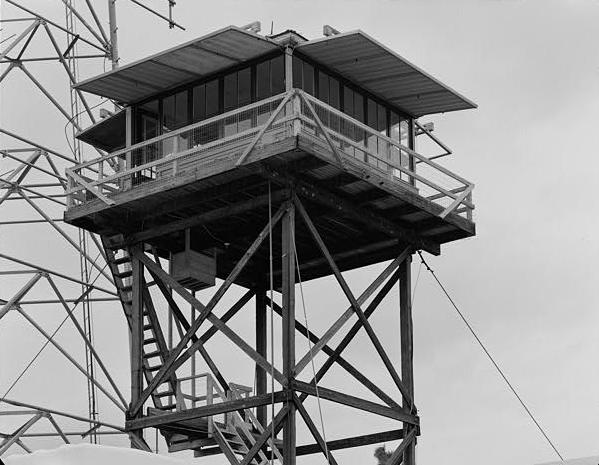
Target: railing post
x=175 y=151
x=209 y=401
x=469 y=209
x=70 y=185
x=297 y=109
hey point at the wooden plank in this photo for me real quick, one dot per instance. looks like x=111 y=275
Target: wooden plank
x=314 y=431
x=195 y=220
x=357 y=403
x=288 y=327
x=407 y=348
x=344 y=207
x=268 y=432
x=137 y=333
x=204 y=310
x=205 y=411
x=261 y=347
x=340 y=322
x=354 y=441
x=398 y=455
x=356 y=306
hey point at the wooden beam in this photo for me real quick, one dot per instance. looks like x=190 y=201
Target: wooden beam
x=340 y=322
x=364 y=216
x=314 y=431
x=205 y=411
x=397 y=456
x=357 y=308
x=137 y=336
x=356 y=402
x=269 y=431
x=167 y=367
x=288 y=328
x=354 y=441
x=194 y=220
x=261 y=343
x=407 y=347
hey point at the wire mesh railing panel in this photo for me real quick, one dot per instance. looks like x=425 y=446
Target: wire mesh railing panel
x=387 y=156
x=171 y=154
x=187 y=149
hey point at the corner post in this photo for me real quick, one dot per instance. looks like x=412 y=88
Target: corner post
x=261 y=341
x=407 y=346
x=288 y=291
x=136 y=351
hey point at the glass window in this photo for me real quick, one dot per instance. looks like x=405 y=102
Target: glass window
x=323 y=87
x=244 y=87
x=230 y=91
x=212 y=91
x=174 y=110
x=297 y=72
x=334 y=99
x=277 y=75
x=199 y=103
x=348 y=101
x=382 y=119
x=308 y=78
x=358 y=107
x=263 y=80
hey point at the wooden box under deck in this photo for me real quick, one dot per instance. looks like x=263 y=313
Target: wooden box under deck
x=363 y=214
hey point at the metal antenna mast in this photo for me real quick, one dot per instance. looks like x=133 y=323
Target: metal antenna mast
x=83 y=264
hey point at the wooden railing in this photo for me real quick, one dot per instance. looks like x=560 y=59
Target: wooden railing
x=178 y=152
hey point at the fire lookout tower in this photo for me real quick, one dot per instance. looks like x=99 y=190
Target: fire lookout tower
x=264 y=162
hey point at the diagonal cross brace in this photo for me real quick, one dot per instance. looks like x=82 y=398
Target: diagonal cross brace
x=167 y=368
x=356 y=306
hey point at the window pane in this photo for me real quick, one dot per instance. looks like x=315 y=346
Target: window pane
x=168 y=112
x=348 y=101
x=323 y=87
x=181 y=109
x=394 y=126
x=308 y=78
x=358 y=107
x=334 y=93
x=277 y=75
x=372 y=122
x=382 y=119
x=297 y=72
x=244 y=87
x=212 y=90
x=263 y=80
x=230 y=90
x=199 y=103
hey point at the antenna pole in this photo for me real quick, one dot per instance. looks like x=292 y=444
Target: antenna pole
x=114 y=49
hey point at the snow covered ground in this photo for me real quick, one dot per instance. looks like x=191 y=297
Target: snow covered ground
x=581 y=461
x=88 y=454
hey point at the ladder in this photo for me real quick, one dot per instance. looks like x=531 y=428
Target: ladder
x=155 y=348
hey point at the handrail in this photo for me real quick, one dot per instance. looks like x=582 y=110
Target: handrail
x=245 y=127
x=176 y=132
x=386 y=138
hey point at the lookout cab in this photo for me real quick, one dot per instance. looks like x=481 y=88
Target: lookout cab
x=264 y=161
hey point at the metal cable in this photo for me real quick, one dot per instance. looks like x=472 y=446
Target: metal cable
x=299 y=277
x=272 y=328
x=490 y=357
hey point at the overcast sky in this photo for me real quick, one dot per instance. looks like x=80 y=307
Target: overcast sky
x=527 y=281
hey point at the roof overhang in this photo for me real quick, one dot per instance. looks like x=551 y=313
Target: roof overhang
x=374 y=67
x=107 y=134
x=180 y=65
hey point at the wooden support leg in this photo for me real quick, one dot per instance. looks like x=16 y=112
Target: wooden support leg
x=261 y=338
x=288 y=290
x=137 y=342
x=406 y=330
